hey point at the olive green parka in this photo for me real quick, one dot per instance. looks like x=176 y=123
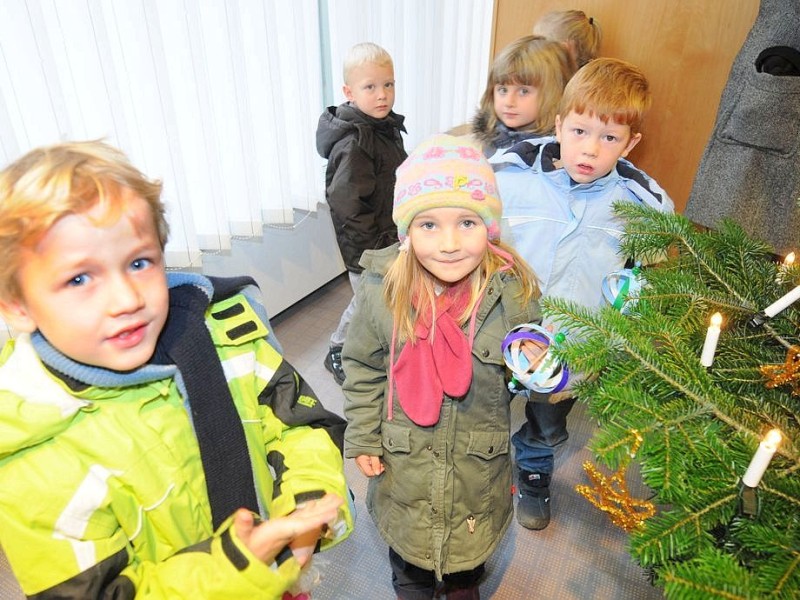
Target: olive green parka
x=444 y=500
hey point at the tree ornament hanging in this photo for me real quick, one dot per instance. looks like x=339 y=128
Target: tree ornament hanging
x=621 y=288
x=611 y=495
x=787 y=373
x=526 y=352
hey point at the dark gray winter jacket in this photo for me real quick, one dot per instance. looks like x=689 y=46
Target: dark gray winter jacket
x=363 y=154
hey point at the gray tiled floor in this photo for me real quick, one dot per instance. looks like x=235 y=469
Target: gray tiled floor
x=581 y=555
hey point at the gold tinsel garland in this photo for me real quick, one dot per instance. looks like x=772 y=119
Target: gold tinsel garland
x=788 y=372
x=610 y=494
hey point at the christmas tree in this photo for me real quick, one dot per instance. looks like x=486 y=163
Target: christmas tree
x=695 y=430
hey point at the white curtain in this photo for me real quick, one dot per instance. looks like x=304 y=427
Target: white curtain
x=441 y=51
x=220 y=98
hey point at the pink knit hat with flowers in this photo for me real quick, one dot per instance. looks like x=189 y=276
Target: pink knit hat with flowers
x=446 y=171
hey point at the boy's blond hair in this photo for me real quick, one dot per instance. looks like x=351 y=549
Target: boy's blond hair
x=407 y=278
x=574 y=28
x=530 y=60
x=610 y=89
x=51 y=182
x=364 y=53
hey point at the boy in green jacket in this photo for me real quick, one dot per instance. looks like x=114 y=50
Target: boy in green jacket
x=153 y=441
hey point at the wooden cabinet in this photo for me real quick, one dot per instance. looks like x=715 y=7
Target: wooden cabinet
x=685 y=47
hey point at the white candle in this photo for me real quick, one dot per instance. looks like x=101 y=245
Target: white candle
x=781 y=303
x=788 y=261
x=761 y=458
x=712 y=337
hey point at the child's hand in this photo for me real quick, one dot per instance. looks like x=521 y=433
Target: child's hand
x=303 y=545
x=534 y=352
x=369 y=465
x=268 y=538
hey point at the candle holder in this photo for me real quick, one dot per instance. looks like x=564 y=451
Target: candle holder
x=757 y=320
x=749 y=501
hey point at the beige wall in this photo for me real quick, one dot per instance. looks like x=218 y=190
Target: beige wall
x=685 y=47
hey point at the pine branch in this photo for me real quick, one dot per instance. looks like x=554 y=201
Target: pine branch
x=700 y=427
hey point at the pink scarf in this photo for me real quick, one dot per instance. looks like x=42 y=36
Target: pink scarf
x=428 y=369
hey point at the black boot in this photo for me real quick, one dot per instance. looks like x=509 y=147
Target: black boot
x=333 y=362
x=533 y=507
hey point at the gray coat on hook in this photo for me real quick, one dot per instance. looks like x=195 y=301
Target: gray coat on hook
x=750 y=170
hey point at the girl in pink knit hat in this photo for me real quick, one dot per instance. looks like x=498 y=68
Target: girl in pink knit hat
x=426 y=392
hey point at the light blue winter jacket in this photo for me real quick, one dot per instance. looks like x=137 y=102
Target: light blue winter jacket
x=568 y=232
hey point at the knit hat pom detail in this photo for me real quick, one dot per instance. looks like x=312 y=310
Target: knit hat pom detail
x=446 y=171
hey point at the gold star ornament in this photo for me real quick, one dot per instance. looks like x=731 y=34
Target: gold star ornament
x=787 y=373
x=610 y=494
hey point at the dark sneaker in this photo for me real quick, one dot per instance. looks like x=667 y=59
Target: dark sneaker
x=533 y=494
x=333 y=362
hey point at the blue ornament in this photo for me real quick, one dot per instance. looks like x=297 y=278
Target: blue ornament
x=621 y=288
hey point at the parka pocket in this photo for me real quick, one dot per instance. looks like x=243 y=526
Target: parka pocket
x=761 y=95
x=395 y=438
x=403 y=483
x=488 y=349
x=488 y=444
x=485 y=479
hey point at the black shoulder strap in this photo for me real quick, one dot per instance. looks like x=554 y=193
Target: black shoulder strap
x=186 y=342
x=225 y=287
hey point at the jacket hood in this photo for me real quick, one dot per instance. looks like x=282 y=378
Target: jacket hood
x=338 y=122
x=38 y=403
x=540 y=154
x=43 y=390
x=379 y=261
x=502 y=136
x=480 y=128
x=36 y=406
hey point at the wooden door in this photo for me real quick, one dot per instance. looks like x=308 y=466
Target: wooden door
x=685 y=47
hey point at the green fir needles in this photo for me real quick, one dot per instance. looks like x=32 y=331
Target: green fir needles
x=700 y=426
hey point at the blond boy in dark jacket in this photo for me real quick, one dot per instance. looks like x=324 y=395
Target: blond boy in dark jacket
x=361 y=139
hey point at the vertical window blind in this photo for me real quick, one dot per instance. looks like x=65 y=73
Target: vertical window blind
x=220 y=98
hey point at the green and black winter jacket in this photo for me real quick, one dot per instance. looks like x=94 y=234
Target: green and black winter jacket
x=104 y=490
